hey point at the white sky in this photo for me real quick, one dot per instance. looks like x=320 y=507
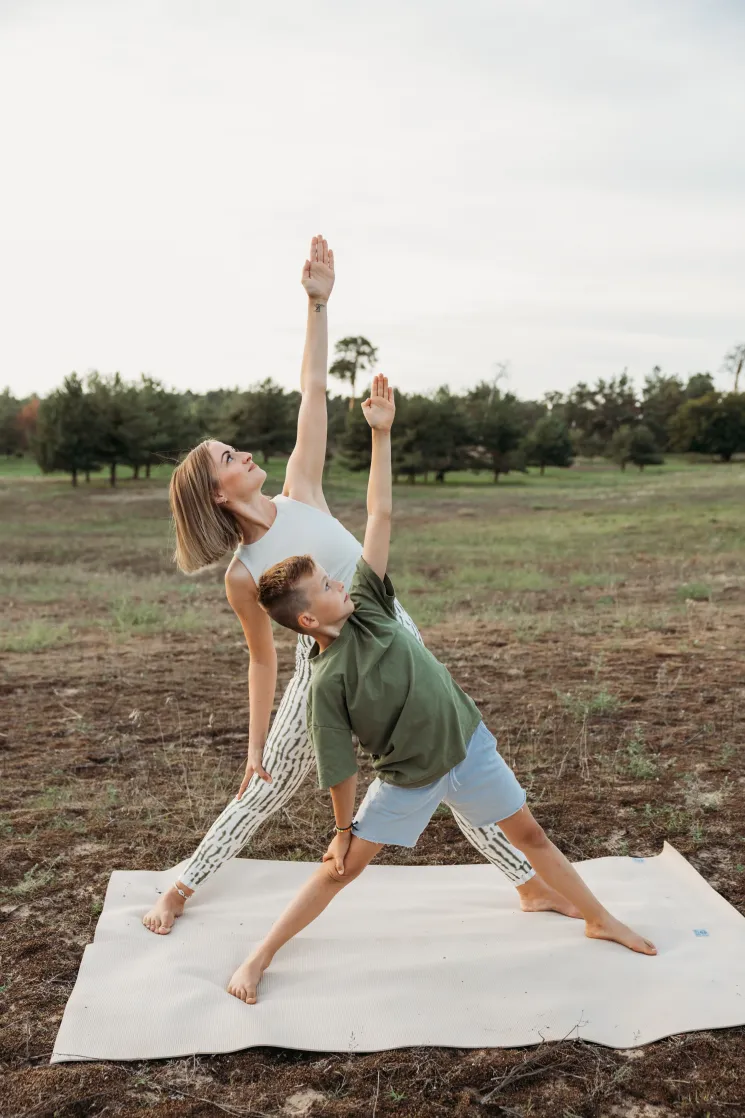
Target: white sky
x=557 y=183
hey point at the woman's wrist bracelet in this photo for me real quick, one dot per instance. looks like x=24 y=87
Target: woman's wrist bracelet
x=341 y=830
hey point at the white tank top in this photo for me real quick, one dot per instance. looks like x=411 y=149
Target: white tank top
x=300 y=529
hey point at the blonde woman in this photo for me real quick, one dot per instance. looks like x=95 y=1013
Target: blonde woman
x=218 y=506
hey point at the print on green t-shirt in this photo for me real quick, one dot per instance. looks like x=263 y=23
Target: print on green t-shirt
x=378 y=681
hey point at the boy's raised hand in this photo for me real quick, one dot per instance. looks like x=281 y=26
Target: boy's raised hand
x=379 y=408
x=318 y=270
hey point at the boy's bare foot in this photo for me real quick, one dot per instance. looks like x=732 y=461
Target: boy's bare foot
x=536 y=896
x=161 y=917
x=617 y=932
x=244 y=982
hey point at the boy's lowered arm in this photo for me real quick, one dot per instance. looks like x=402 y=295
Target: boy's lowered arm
x=343 y=797
x=379 y=410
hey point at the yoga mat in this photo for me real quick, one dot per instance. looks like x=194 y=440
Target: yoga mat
x=432 y=955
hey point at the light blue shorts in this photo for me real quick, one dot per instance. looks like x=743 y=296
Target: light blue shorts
x=482 y=788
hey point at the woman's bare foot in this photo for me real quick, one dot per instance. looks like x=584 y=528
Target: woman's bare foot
x=244 y=982
x=617 y=932
x=161 y=917
x=536 y=896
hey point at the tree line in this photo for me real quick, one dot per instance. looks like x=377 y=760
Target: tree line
x=104 y=422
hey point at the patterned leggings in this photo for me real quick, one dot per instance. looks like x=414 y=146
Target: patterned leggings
x=289 y=757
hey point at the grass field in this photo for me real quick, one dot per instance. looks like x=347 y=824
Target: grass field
x=598 y=619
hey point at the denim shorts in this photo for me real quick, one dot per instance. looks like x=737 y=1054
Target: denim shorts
x=482 y=788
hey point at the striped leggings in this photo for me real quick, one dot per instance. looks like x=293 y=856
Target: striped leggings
x=289 y=757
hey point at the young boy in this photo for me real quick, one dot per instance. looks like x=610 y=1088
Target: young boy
x=425 y=735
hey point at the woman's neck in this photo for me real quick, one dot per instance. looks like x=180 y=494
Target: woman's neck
x=255 y=517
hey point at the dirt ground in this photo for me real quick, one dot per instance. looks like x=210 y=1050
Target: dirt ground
x=121 y=739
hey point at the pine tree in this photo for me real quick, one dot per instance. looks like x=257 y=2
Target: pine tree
x=123 y=424
x=10 y=432
x=711 y=424
x=635 y=444
x=66 y=436
x=496 y=429
x=172 y=428
x=262 y=420
x=661 y=398
x=548 y=444
x=354 y=355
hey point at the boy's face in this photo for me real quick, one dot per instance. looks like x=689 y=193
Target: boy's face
x=328 y=602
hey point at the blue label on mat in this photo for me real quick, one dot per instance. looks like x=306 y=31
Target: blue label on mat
x=637 y=859
x=700 y=932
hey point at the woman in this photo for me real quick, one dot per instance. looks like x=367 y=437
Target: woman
x=218 y=505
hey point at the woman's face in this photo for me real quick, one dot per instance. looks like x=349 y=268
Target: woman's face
x=238 y=477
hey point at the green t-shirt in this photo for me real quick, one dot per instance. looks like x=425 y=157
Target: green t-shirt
x=378 y=681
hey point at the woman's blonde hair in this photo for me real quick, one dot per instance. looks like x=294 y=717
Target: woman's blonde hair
x=204 y=529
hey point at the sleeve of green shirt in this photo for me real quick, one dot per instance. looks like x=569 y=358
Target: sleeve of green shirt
x=331 y=735
x=370 y=593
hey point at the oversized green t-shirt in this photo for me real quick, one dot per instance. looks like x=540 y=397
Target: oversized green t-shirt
x=378 y=681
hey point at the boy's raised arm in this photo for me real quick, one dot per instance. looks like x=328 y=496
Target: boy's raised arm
x=379 y=410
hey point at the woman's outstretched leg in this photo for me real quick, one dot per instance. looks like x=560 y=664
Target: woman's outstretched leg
x=288 y=756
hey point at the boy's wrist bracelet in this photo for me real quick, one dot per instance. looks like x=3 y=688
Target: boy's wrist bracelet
x=341 y=830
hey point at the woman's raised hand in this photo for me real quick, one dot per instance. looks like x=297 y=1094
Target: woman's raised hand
x=318 y=270
x=379 y=408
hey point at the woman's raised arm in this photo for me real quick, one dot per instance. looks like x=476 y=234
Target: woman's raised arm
x=304 y=477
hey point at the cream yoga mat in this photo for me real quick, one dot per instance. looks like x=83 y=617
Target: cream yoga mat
x=436 y=955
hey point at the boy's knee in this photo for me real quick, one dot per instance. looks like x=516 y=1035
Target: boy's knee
x=534 y=836
x=526 y=833
x=332 y=874
x=340 y=880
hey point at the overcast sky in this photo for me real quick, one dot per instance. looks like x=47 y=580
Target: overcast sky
x=554 y=183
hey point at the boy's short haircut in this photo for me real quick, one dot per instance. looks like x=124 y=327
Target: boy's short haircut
x=280 y=593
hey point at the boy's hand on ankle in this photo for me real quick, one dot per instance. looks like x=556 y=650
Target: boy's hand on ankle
x=318 y=272
x=254 y=767
x=379 y=409
x=337 y=851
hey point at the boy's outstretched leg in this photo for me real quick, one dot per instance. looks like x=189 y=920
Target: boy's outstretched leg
x=313 y=898
x=535 y=895
x=524 y=832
